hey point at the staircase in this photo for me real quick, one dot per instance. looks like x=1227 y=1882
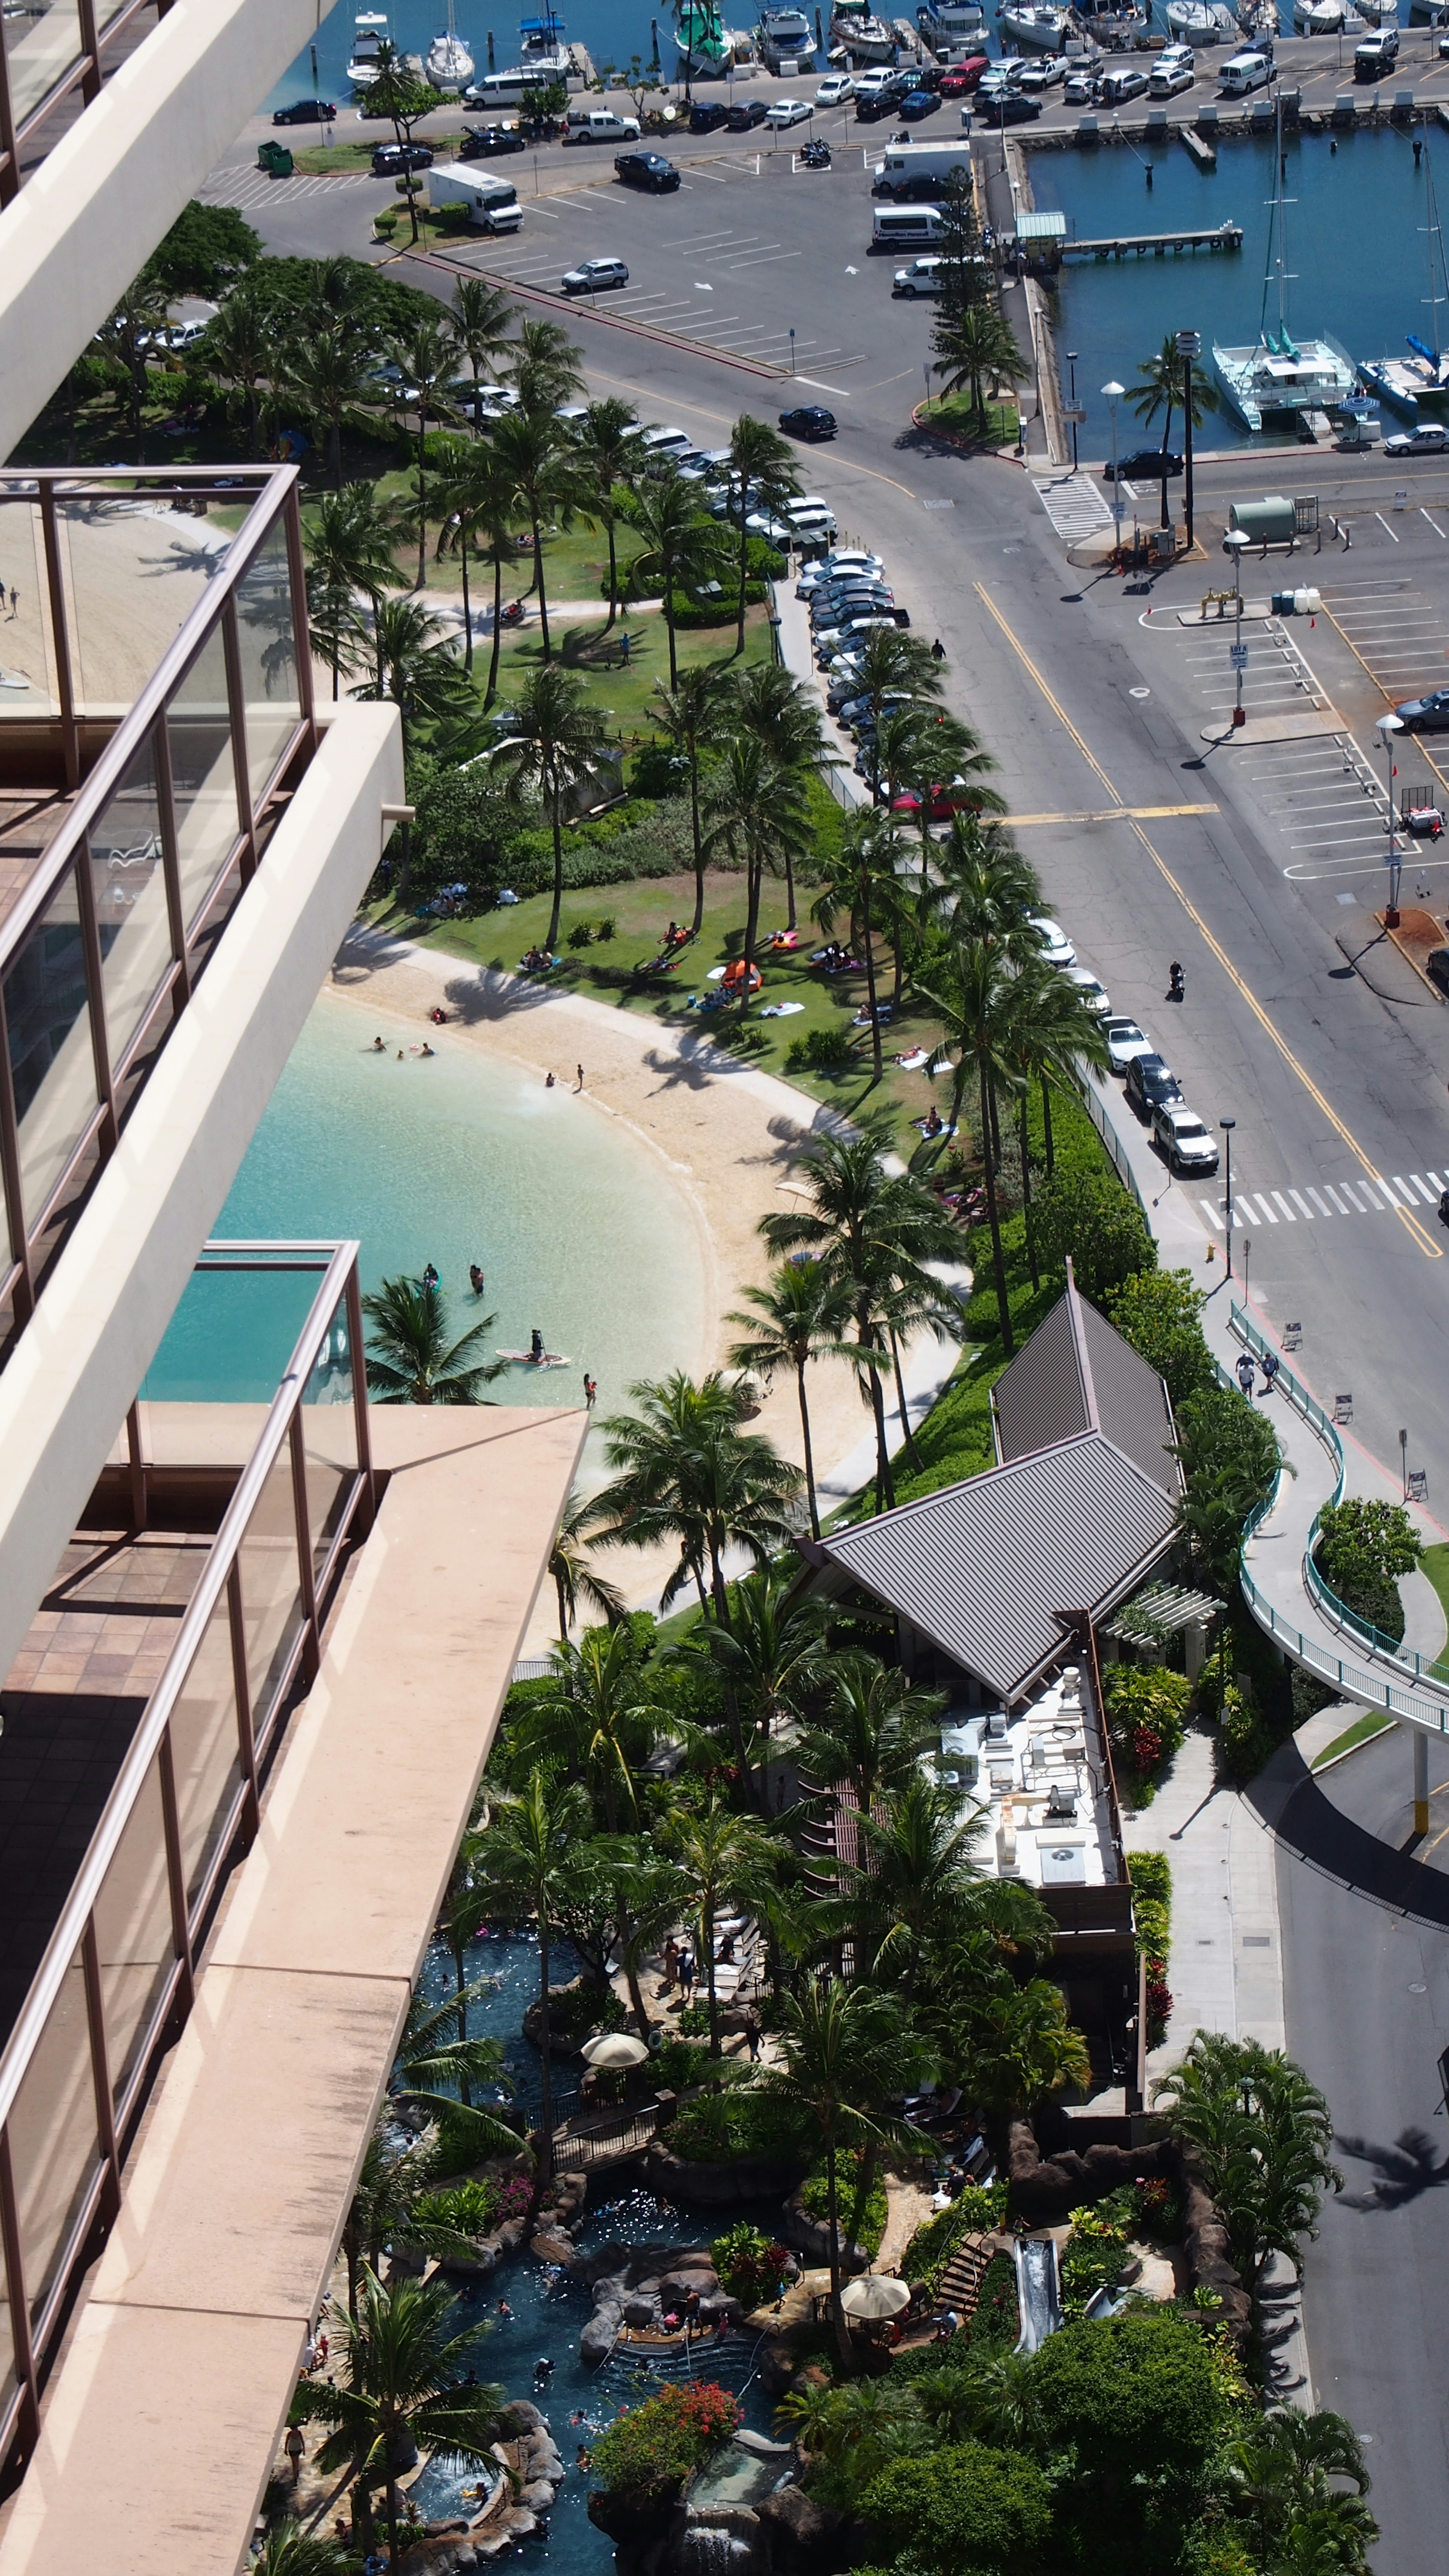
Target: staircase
x=961 y=2281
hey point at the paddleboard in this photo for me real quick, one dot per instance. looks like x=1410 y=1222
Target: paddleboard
x=525 y=1359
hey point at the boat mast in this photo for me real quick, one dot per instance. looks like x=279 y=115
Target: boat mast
x=1434 y=232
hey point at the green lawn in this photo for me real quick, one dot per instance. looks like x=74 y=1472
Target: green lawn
x=1001 y=426
x=622 y=691
x=324 y=160
x=575 y=561
x=1372 y=1723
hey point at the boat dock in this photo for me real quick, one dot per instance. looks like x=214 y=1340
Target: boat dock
x=1155 y=245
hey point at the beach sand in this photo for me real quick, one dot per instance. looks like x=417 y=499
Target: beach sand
x=733 y=1139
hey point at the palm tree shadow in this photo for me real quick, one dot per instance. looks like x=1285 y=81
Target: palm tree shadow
x=1404 y=2171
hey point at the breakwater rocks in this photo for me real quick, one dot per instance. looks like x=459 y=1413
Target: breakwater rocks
x=533 y=2472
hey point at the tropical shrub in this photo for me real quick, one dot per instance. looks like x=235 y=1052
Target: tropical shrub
x=1135 y=2397
x=1362 y=1548
x=1095 y=2259
x=719 y=2128
x=962 y=2507
x=997 y=2318
x=574 y=2012
x=1160 y=1313
x=1090 y=1216
x=654 y=2446
x=466 y=2209
x=1146 y=1714
x=815 y=2200
x=827 y=1050
x=677 y=2065
x=748 y=2262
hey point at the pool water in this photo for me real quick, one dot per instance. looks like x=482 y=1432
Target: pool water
x=457 y=1159
x=1358 y=250
x=550 y=2308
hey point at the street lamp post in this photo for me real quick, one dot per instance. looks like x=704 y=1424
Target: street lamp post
x=1112 y=395
x=1072 y=363
x=1227 y=1125
x=1189 y=346
x=1235 y=540
x=1386 y=729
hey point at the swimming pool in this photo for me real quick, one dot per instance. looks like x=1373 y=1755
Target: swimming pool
x=460 y=1158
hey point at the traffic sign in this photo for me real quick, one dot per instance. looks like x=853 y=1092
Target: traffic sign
x=1073 y=411
x=1238 y=657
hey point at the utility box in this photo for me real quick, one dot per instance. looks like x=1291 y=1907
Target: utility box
x=1161 y=545
x=275 y=159
x=1272 y=521
x=1305 y=514
x=1088 y=131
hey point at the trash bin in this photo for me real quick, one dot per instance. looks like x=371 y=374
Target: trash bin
x=1284 y=603
x=275 y=159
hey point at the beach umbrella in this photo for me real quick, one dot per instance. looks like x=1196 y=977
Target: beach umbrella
x=615 y=2048
x=875 y=2295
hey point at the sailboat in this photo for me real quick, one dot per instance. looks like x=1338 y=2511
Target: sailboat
x=1279 y=374
x=369 y=31
x=1422 y=377
x=1043 y=30
x=704 y=48
x=448 y=63
x=865 y=37
x=1200 y=22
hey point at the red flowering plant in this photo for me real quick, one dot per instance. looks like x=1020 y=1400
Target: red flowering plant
x=652 y=2447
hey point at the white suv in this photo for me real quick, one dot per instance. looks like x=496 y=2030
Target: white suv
x=923 y=277
x=1184 y=1143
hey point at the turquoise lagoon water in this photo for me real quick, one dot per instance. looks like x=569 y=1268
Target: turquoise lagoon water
x=456 y=1159
x=1356 y=249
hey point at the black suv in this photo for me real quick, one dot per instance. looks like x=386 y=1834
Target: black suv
x=390 y=160
x=1151 y=1084
x=488 y=142
x=707 y=115
x=645 y=170
x=743 y=118
x=809 y=420
x=305 y=111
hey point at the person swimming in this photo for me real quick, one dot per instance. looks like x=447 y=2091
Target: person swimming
x=425 y=1049
x=377 y=1047
x=431 y=1278
x=475 y=1279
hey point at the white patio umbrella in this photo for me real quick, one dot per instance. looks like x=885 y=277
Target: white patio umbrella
x=614 y=2048
x=875 y=2295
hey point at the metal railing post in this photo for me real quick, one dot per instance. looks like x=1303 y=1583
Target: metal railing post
x=313 y=1656
x=176 y=1876
x=60 y=635
x=359 y=1398
x=100 y=2070
x=237 y=714
x=170 y=857
x=21 y=2337
x=241 y=1684
x=10 y=1174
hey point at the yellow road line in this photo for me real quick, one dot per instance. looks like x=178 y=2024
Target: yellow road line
x=1387 y=697
x=1108 y=814
x=1426 y=1244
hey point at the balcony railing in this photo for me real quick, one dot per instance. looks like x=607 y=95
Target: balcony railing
x=54 y=56
x=156 y=711
x=117 y=1976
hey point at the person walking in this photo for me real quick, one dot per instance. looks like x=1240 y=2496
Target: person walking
x=1270 y=1365
x=938 y=651
x=1245 y=1374
x=579 y=1070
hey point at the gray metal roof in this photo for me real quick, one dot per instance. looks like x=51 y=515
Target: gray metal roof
x=986 y=1568
x=1078 y=1374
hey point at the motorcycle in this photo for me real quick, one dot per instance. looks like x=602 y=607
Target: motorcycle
x=1175 y=985
x=816 y=156
x=514 y=614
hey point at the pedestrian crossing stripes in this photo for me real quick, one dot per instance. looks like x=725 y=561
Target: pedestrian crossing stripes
x=246 y=190
x=1073 y=504
x=1358 y=1197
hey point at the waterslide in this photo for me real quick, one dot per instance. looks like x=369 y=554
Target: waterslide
x=1038 y=2291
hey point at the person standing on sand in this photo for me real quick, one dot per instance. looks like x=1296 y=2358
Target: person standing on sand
x=548 y=1085
x=579 y=1070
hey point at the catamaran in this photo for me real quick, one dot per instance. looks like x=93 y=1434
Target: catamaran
x=1279 y=374
x=1423 y=377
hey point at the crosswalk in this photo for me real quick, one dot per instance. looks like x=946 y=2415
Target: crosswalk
x=1074 y=503
x=246 y=190
x=1330 y=1199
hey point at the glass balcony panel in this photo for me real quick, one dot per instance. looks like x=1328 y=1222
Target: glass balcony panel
x=29 y=644
x=129 y=885
x=268 y=660
x=52 y=1061
x=54 y=2150
x=329 y=1433
x=198 y=729
x=204 y=1752
x=42 y=43
x=8 y=2382
x=134 y=570
x=271 y=1584
x=133 y=1932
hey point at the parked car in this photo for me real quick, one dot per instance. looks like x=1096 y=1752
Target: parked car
x=1045 y=74
x=1078 y=90
x=923 y=277
x=1185 y=1144
x=963 y=78
x=707 y=115
x=591 y=274
x=1056 y=947
x=835 y=89
x=789 y=111
x=1124 y=1040
x=1144 y=465
x=600 y=125
x=1151 y=1084
x=745 y=115
x=870 y=83
x=646 y=170
x=918 y=103
x=1428 y=714
x=305 y=111
x=946 y=797
x=1093 y=994
x=1376 y=54
x=1168 y=78
x=1427 y=440
x=391 y=160
x=1012 y=107
x=1436 y=964
x=808 y=420
x=490 y=142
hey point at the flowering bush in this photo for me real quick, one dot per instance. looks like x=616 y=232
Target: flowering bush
x=748 y=2262
x=1146 y=1716
x=514 y=2196
x=653 y=2446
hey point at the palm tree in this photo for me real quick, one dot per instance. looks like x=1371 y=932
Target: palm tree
x=681 y=544
x=349 y=550
x=718 y=1857
x=380 y=2209
x=609 y=455
x=1160 y=387
x=771 y=1654
x=689 y=1475
x=548 y=368
x=574 y=1578
x=288 y=2550
x=433 y=2059
x=772 y=705
x=528 y=1856
x=1053 y=1032
x=646 y=1908
x=872 y=1729
x=482 y=318
x=1014 y=2046
x=410 y=1359
x=974 y=989
x=869 y=852
x=241 y=350
x=1262 y=2132
x=757 y=812
x=428 y=356
x=480 y=506
x=845 y=2049
x=324 y=374
x=554 y=747
x=801 y=1316
x=915 y=1883
x=413 y=661
x=691 y=715
x=129 y=335
x=976 y=344
x=541 y=468
x=763 y=475
x=407 y=2390
x=593 y=1717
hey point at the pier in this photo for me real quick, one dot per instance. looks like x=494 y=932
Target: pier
x=1126 y=246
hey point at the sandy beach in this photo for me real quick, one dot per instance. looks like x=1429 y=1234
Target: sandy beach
x=732 y=1139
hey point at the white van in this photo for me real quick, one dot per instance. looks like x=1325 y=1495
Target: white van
x=894 y=226
x=1243 y=72
x=491 y=203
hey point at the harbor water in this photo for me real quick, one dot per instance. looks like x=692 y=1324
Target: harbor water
x=1358 y=259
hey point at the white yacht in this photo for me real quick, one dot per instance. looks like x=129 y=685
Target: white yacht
x=785 y=35
x=1280 y=375
x=1319 y=17
x=447 y=62
x=369 y=31
x=1201 y=22
x=1420 y=381
x=1041 y=29
x=866 y=38
x=943 y=21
